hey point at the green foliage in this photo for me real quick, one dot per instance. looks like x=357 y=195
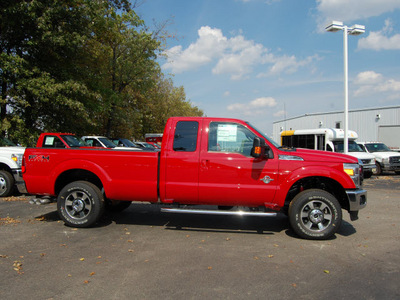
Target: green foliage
x=82 y=66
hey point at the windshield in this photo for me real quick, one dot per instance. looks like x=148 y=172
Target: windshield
x=128 y=143
x=107 y=142
x=6 y=142
x=377 y=147
x=353 y=147
x=73 y=141
x=265 y=136
x=149 y=146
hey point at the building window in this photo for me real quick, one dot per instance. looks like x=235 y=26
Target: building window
x=337 y=125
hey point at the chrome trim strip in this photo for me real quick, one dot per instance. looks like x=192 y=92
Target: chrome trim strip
x=218 y=212
x=290 y=157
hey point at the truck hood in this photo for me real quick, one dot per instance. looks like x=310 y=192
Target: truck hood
x=320 y=156
x=385 y=154
x=362 y=155
x=15 y=150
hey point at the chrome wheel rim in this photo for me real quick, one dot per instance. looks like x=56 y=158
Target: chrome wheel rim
x=78 y=205
x=3 y=185
x=316 y=216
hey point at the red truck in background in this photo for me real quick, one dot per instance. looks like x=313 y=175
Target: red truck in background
x=153 y=138
x=59 y=140
x=218 y=162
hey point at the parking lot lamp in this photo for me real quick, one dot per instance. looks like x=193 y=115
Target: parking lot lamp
x=353 y=30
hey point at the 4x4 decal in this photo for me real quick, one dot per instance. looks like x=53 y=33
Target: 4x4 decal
x=39 y=158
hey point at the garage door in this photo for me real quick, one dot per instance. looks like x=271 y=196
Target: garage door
x=390 y=135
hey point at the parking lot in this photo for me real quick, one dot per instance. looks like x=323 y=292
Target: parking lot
x=145 y=254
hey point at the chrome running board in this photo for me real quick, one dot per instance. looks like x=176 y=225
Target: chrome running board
x=218 y=212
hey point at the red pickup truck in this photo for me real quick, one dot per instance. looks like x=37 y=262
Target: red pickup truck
x=59 y=140
x=225 y=164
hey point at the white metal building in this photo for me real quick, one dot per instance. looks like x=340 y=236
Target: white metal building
x=372 y=124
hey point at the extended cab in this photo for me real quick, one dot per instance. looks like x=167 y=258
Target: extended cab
x=222 y=163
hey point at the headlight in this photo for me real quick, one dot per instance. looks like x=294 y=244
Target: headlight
x=17 y=158
x=354 y=171
x=385 y=160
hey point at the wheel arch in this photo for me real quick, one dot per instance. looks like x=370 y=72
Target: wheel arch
x=318 y=182
x=5 y=167
x=76 y=175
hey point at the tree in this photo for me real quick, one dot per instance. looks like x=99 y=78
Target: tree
x=41 y=44
x=82 y=66
x=123 y=61
x=164 y=101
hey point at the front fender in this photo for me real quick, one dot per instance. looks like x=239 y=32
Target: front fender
x=289 y=178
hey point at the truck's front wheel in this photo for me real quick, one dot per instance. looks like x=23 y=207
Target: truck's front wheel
x=80 y=204
x=315 y=214
x=6 y=183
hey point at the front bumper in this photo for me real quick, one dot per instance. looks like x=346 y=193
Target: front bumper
x=391 y=167
x=19 y=181
x=357 y=199
x=369 y=168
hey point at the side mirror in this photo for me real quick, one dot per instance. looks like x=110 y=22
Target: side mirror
x=258 y=150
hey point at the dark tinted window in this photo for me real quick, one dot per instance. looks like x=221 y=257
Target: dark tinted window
x=299 y=141
x=185 y=138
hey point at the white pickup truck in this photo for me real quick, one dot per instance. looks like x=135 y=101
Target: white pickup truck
x=10 y=168
x=103 y=142
x=386 y=159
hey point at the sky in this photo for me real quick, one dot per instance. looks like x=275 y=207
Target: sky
x=266 y=60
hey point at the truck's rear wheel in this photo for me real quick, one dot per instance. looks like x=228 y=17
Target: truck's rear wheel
x=6 y=183
x=80 y=204
x=315 y=214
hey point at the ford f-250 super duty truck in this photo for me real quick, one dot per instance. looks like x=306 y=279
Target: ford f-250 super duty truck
x=224 y=163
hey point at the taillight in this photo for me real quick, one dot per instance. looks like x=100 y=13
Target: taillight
x=23 y=168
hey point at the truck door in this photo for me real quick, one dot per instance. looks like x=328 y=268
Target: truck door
x=182 y=163
x=229 y=175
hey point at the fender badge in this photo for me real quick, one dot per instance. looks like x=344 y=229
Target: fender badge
x=266 y=179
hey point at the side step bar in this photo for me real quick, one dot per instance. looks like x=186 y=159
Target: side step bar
x=218 y=212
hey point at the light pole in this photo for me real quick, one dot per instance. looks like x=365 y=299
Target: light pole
x=353 y=30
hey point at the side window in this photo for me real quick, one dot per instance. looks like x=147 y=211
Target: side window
x=320 y=142
x=185 y=138
x=53 y=142
x=89 y=142
x=230 y=137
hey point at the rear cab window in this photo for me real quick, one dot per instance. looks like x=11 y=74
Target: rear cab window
x=185 y=138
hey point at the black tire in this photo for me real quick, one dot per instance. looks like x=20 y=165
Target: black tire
x=80 y=204
x=315 y=214
x=367 y=174
x=116 y=205
x=6 y=183
x=378 y=169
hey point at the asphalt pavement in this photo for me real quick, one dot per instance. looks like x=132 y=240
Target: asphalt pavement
x=143 y=253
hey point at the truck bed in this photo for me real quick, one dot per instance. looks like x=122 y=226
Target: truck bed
x=126 y=175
